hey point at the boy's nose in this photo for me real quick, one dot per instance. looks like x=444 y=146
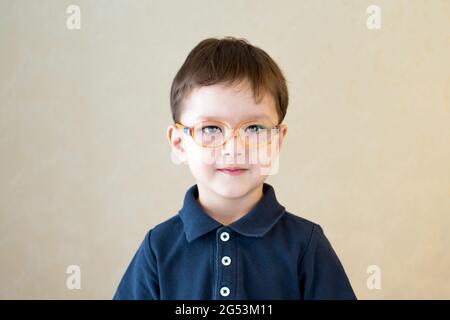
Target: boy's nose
x=233 y=145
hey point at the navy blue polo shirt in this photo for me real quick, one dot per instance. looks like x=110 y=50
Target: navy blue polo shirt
x=267 y=254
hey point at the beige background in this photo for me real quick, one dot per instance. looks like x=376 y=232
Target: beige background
x=85 y=167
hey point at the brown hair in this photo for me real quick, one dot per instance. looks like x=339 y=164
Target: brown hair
x=229 y=60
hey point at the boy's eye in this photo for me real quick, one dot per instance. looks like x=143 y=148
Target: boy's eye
x=211 y=130
x=255 y=128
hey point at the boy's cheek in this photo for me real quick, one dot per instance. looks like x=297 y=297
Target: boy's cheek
x=206 y=157
x=201 y=161
x=267 y=162
x=261 y=156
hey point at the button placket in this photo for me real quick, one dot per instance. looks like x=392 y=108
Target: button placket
x=225 y=267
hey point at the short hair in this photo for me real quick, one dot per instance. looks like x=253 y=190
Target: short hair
x=229 y=60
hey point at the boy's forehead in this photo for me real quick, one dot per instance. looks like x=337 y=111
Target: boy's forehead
x=233 y=104
x=234 y=120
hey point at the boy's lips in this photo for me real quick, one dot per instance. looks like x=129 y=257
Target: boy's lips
x=233 y=171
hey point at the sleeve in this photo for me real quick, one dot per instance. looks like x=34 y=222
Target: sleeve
x=140 y=281
x=321 y=274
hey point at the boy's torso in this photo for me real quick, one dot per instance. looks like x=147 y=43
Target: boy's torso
x=226 y=264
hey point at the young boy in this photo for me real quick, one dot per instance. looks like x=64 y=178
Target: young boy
x=232 y=239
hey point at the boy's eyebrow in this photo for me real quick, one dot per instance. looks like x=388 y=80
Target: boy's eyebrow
x=250 y=117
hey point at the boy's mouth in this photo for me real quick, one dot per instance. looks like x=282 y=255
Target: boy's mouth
x=233 y=171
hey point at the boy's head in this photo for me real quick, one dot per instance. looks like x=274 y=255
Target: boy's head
x=228 y=101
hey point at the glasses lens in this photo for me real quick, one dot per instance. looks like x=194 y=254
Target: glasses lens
x=256 y=133
x=209 y=133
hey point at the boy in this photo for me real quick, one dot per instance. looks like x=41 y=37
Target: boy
x=232 y=239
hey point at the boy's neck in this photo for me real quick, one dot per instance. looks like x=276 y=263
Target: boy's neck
x=227 y=210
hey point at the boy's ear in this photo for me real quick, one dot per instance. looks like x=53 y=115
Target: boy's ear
x=283 y=133
x=176 y=143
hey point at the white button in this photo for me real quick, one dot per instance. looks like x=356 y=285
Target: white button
x=226 y=260
x=224 y=236
x=224 y=291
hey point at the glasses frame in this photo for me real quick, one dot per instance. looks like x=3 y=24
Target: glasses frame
x=230 y=132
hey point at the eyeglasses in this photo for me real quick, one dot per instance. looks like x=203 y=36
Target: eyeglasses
x=213 y=133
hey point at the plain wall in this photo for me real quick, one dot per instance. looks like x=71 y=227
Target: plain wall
x=85 y=165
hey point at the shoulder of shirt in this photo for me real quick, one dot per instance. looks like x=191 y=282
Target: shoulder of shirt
x=299 y=221
x=299 y=225
x=168 y=228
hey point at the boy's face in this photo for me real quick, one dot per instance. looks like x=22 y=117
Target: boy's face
x=232 y=105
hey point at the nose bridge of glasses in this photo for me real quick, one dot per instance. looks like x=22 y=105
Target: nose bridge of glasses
x=232 y=134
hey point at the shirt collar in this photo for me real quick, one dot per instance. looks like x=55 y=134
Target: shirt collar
x=257 y=222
